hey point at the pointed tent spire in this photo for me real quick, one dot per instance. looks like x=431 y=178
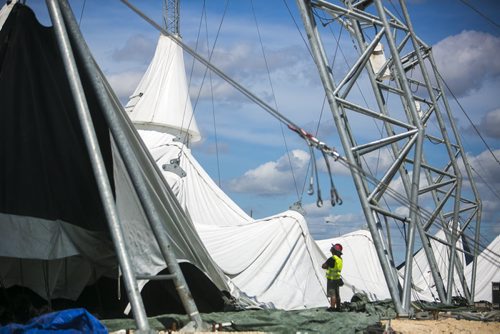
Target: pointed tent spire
x=161 y=100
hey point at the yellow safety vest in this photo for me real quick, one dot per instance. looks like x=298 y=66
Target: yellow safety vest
x=334 y=273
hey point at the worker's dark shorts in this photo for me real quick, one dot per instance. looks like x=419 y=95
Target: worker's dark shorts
x=332 y=287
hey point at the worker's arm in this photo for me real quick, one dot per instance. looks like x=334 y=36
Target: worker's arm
x=328 y=263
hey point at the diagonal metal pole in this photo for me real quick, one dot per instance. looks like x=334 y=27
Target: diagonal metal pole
x=408 y=100
x=97 y=164
x=449 y=149
x=404 y=177
x=468 y=170
x=134 y=170
x=322 y=64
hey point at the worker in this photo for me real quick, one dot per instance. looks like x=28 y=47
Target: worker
x=333 y=266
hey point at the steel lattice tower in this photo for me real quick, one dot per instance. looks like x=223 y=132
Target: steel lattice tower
x=171 y=12
x=405 y=100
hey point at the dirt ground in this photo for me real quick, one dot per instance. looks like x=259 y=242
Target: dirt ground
x=442 y=326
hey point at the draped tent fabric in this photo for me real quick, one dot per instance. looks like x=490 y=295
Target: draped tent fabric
x=488 y=271
x=54 y=236
x=273 y=261
x=361 y=271
x=164 y=87
x=423 y=286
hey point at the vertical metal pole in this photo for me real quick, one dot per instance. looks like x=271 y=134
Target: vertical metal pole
x=132 y=166
x=404 y=177
x=437 y=111
x=418 y=155
x=97 y=164
x=322 y=64
x=458 y=175
x=468 y=171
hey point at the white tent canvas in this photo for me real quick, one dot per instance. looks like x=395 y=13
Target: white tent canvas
x=274 y=260
x=54 y=236
x=162 y=88
x=423 y=286
x=361 y=270
x=488 y=271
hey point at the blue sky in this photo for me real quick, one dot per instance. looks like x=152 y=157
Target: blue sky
x=252 y=164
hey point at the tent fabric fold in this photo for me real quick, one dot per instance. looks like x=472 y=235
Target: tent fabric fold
x=273 y=261
x=162 y=87
x=361 y=272
x=54 y=235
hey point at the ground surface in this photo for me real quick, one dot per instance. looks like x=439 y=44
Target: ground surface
x=454 y=326
x=372 y=319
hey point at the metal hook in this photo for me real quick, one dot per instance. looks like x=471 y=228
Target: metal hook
x=319 y=202
x=337 y=197
x=311 y=186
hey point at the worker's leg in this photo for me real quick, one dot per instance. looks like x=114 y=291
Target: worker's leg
x=330 y=290
x=337 y=298
x=333 y=301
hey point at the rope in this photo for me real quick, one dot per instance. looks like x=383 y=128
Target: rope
x=480 y=13
x=213 y=104
x=274 y=99
x=206 y=69
x=314 y=142
x=487 y=184
x=81 y=13
x=468 y=118
x=334 y=196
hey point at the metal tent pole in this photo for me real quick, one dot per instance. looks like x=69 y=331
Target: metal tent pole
x=322 y=64
x=444 y=132
x=407 y=96
x=469 y=175
x=404 y=177
x=97 y=164
x=133 y=169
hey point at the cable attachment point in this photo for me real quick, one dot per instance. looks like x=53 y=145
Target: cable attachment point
x=334 y=196
x=319 y=201
x=310 y=191
x=174 y=167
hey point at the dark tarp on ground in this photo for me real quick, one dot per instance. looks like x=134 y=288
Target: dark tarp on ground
x=65 y=322
x=274 y=321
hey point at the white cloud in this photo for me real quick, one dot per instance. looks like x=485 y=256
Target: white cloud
x=315 y=212
x=323 y=225
x=350 y=218
x=486 y=174
x=338 y=167
x=273 y=177
x=468 y=59
x=396 y=194
x=402 y=211
x=487 y=179
x=487 y=168
x=137 y=48
x=124 y=83
x=379 y=160
x=490 y=124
